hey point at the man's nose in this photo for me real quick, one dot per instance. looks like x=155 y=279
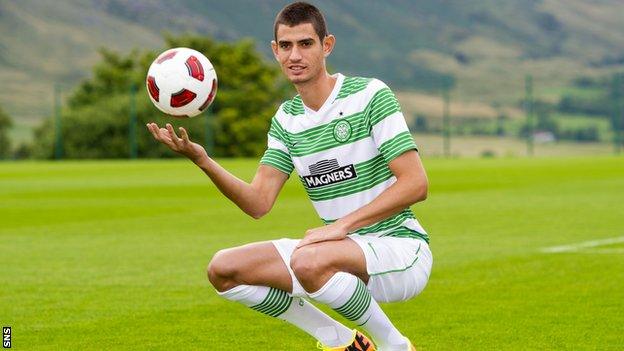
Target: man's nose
x=295 y=54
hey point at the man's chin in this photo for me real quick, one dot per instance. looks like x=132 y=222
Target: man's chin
x=299 y=79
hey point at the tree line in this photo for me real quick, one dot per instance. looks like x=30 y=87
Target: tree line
x=95 y=117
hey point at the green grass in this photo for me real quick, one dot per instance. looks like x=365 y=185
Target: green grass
x=475 y=146
x=550 y=93
x=112 y=255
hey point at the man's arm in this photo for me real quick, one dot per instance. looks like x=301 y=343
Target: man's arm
x=255 y=199
x=410 y=187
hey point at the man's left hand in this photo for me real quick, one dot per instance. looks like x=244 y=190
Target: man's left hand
x=334 y=231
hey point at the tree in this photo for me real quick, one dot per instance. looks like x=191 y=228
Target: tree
x=96 y=118
x=5 y=142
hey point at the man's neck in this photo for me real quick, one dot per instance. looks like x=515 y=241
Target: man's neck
x=315 y=93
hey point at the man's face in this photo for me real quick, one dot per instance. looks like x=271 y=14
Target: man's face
x=300 y=52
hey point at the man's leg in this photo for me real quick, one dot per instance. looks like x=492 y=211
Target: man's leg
x=256 y=276
x=334 y=273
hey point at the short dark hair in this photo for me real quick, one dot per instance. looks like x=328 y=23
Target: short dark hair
x=298 y=13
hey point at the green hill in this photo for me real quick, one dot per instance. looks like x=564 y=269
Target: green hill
x=482 y=47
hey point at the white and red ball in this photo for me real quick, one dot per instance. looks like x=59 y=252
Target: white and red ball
x=181 y=82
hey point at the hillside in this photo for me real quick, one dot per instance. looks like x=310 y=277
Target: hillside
x=483 y=47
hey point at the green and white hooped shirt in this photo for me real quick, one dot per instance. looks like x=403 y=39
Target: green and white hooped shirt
x=341 y=152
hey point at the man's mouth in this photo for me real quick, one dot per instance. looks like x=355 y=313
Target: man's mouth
x=296 y=68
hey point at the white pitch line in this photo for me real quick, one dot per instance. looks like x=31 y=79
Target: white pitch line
x=602 y=251
x=583 y=245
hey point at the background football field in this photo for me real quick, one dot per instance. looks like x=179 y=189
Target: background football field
x=112 y=255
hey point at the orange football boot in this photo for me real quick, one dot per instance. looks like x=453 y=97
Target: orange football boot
x=360 y=343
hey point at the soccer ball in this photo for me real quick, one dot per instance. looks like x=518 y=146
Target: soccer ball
x=181 y=82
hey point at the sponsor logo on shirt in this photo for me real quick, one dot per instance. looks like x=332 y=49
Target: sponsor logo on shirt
x=327 y=172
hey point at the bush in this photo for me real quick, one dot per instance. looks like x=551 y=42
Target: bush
x=584 y=134
x=576 y=105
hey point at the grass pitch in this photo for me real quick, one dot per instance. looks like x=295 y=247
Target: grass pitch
x=112 y=255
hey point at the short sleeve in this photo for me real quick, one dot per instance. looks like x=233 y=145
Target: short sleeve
x=388 y=127
x=277 y=154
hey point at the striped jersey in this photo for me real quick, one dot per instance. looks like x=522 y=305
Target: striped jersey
x=341 y=152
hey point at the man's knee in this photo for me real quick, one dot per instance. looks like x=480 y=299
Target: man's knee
x=222 y=270
x=307 y=266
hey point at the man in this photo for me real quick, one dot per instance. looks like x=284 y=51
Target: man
x=349 y=143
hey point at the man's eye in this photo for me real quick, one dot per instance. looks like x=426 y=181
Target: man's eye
x=306 y=43
x=284 y=45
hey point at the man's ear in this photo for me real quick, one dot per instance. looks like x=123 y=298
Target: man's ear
x=328 y=44
x=274 y=48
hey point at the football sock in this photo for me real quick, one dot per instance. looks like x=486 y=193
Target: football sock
x=348 y=295
x=297 y=311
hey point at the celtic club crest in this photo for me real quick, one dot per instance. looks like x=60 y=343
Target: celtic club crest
x=342 y=131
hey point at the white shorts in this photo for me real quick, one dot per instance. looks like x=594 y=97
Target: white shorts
x=399 y=268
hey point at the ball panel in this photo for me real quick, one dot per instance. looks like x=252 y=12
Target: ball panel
x=195 y=68
x=171 y=77
x=167 y=55
x=182 y=98
x=153 y=88
x=211 y=96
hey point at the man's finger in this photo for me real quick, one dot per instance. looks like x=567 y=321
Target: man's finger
x=173 y=135
x=184 y=135
x=164 y=135
x=153 y=128
x=308 y=240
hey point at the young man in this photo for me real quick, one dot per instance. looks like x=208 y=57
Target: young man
x=350 y=145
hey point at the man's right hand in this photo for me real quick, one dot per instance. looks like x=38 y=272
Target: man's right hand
x=182 y=145
x=255 y=199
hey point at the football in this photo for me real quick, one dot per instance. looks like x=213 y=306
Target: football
x=181 y=82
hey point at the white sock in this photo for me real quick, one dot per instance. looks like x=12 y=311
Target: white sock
x=297 y=311
x=348 y=295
